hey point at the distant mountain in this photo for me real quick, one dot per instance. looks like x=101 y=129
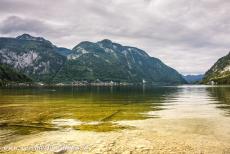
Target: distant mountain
x=219 y=72
x=101 y=61
x=193 y=78
x=9 y=75
x=63 y=51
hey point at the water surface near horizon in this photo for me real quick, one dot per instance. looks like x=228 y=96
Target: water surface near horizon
x=26 y=111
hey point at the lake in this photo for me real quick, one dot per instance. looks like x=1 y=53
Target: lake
x=180 y=119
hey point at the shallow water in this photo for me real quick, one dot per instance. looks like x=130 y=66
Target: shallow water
x=26 y=111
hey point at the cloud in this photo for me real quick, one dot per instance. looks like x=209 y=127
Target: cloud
x=16 y=24
x=187 y=35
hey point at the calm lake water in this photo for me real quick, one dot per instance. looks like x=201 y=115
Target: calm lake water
x=25 y=111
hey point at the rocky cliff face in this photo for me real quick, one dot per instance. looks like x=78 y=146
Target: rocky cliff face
x=219 y=73
x=33 y=56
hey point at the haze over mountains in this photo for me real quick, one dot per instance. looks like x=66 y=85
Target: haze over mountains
x=42 y=61
x=193 y=78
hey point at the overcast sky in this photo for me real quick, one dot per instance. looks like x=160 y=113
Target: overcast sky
x=188 y=35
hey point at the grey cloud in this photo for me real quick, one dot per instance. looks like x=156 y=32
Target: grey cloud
x=188 y=35
x=16 y=24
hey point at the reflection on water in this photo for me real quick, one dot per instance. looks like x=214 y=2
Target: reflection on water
x=26 y=111
x=87 y=105
x=192 y=102
x=222 y=95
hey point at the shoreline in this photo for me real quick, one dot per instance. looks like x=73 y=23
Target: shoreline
x=87 y=85
x=24 y=85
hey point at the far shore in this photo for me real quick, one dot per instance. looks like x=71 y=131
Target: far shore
x=82 y=84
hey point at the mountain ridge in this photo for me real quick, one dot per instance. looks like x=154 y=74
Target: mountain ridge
x=103 y=60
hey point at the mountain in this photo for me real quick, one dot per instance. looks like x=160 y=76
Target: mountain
x=39 y=59
x=219 y=73
x=193 y=78
x=34 y=56
x=108 y=61
x=8 y=75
